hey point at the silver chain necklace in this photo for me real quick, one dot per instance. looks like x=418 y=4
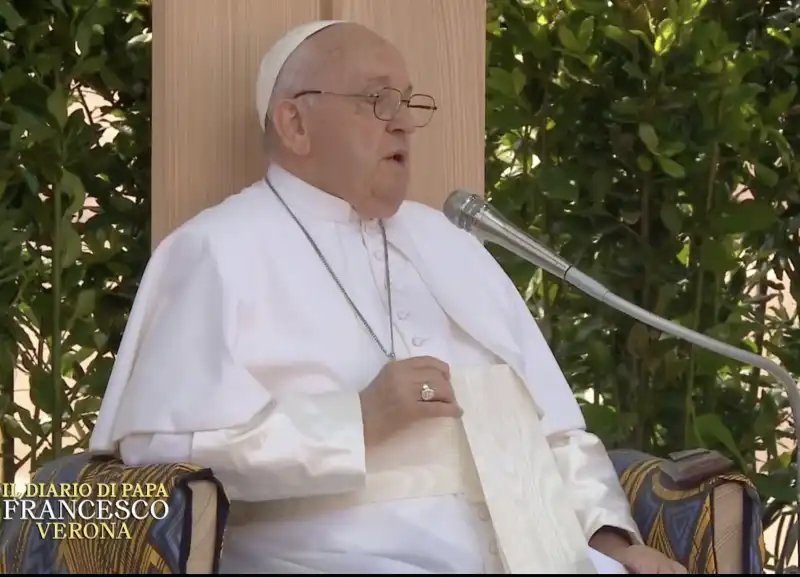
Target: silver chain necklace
x=390 y=354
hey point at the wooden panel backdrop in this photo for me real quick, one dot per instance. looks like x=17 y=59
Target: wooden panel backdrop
x=206 y=138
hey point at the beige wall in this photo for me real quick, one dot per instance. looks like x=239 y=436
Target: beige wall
x=206 y=138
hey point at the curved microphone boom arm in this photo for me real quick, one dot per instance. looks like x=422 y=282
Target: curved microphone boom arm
x=474 y=215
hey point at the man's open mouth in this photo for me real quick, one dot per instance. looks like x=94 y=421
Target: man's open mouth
x=398 y=157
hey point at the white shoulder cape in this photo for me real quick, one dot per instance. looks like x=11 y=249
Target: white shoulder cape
x=210 y=260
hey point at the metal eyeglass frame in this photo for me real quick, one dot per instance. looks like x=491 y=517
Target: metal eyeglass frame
x=375 y=97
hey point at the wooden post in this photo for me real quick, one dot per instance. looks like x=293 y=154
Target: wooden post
x=206 y=140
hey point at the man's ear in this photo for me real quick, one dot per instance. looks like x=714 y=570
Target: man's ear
x=290 y=126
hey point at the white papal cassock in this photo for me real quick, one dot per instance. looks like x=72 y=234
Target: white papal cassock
x=242 y=355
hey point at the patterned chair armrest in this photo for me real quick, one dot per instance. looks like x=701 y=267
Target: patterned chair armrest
x=703 y=516
x=188 y=539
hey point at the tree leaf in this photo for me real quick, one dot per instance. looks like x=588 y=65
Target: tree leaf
x=518 y=80
x=73 y=187
x=787 y=153
x=671 y=167
x=781 y=102
x=672 y=148
x=710 y=426
x=622 y=37
x=556 y=183
x=12 y=426
x=57 y=106
x=29 y=423
x=715 y=256
x=672 y=217
x=641 y=35
x=84 y=306
x=585 y=33
x=84 y=303
x=83 y=36
x=665 y=35
x=43 y=395
x=501 y=81
x=778 y=487
x=644 y=162
x=638 y=340
x=11 y=16
x=746 y=216
x=71 y=244
x=85 y=406
x=766 y=175
x=568 y=39
x=648 y=135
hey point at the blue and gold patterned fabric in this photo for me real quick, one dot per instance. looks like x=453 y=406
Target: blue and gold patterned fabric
x=679 y=522
x=151 y=545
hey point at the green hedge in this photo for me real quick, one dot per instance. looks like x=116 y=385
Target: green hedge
x=654 y=144
x=74 y=175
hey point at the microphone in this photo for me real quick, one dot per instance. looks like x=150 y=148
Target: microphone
x=473 y=214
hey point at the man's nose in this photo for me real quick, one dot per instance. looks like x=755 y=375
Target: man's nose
x=403 y=121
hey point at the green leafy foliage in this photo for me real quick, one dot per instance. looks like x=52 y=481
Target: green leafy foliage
x=653 y=144
x=74 y=210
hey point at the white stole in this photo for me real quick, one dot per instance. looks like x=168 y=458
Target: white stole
x=537 y=529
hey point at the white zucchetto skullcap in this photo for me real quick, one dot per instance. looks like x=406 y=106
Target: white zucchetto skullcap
x=273 y=62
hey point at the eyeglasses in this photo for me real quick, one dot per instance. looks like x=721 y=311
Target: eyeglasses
x=386 y=104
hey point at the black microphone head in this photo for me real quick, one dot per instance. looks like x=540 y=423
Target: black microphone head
x=462 y=207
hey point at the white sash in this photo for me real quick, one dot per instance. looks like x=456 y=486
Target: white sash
x=497 y=455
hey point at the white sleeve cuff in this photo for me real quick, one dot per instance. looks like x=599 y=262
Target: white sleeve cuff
x=301 y=446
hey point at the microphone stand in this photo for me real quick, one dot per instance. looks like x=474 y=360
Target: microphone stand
x=482 y=220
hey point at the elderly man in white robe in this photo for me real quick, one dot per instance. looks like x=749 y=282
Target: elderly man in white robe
x=290 y=332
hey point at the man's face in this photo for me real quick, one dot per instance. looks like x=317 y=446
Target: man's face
x=356 y=155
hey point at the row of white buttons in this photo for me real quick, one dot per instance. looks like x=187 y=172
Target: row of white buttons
x=403 y=315
x=379 y=255
x=492 y=549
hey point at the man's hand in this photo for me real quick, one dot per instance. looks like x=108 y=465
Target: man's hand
x=648 y=561
x=394 y=399
x=635 y=558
